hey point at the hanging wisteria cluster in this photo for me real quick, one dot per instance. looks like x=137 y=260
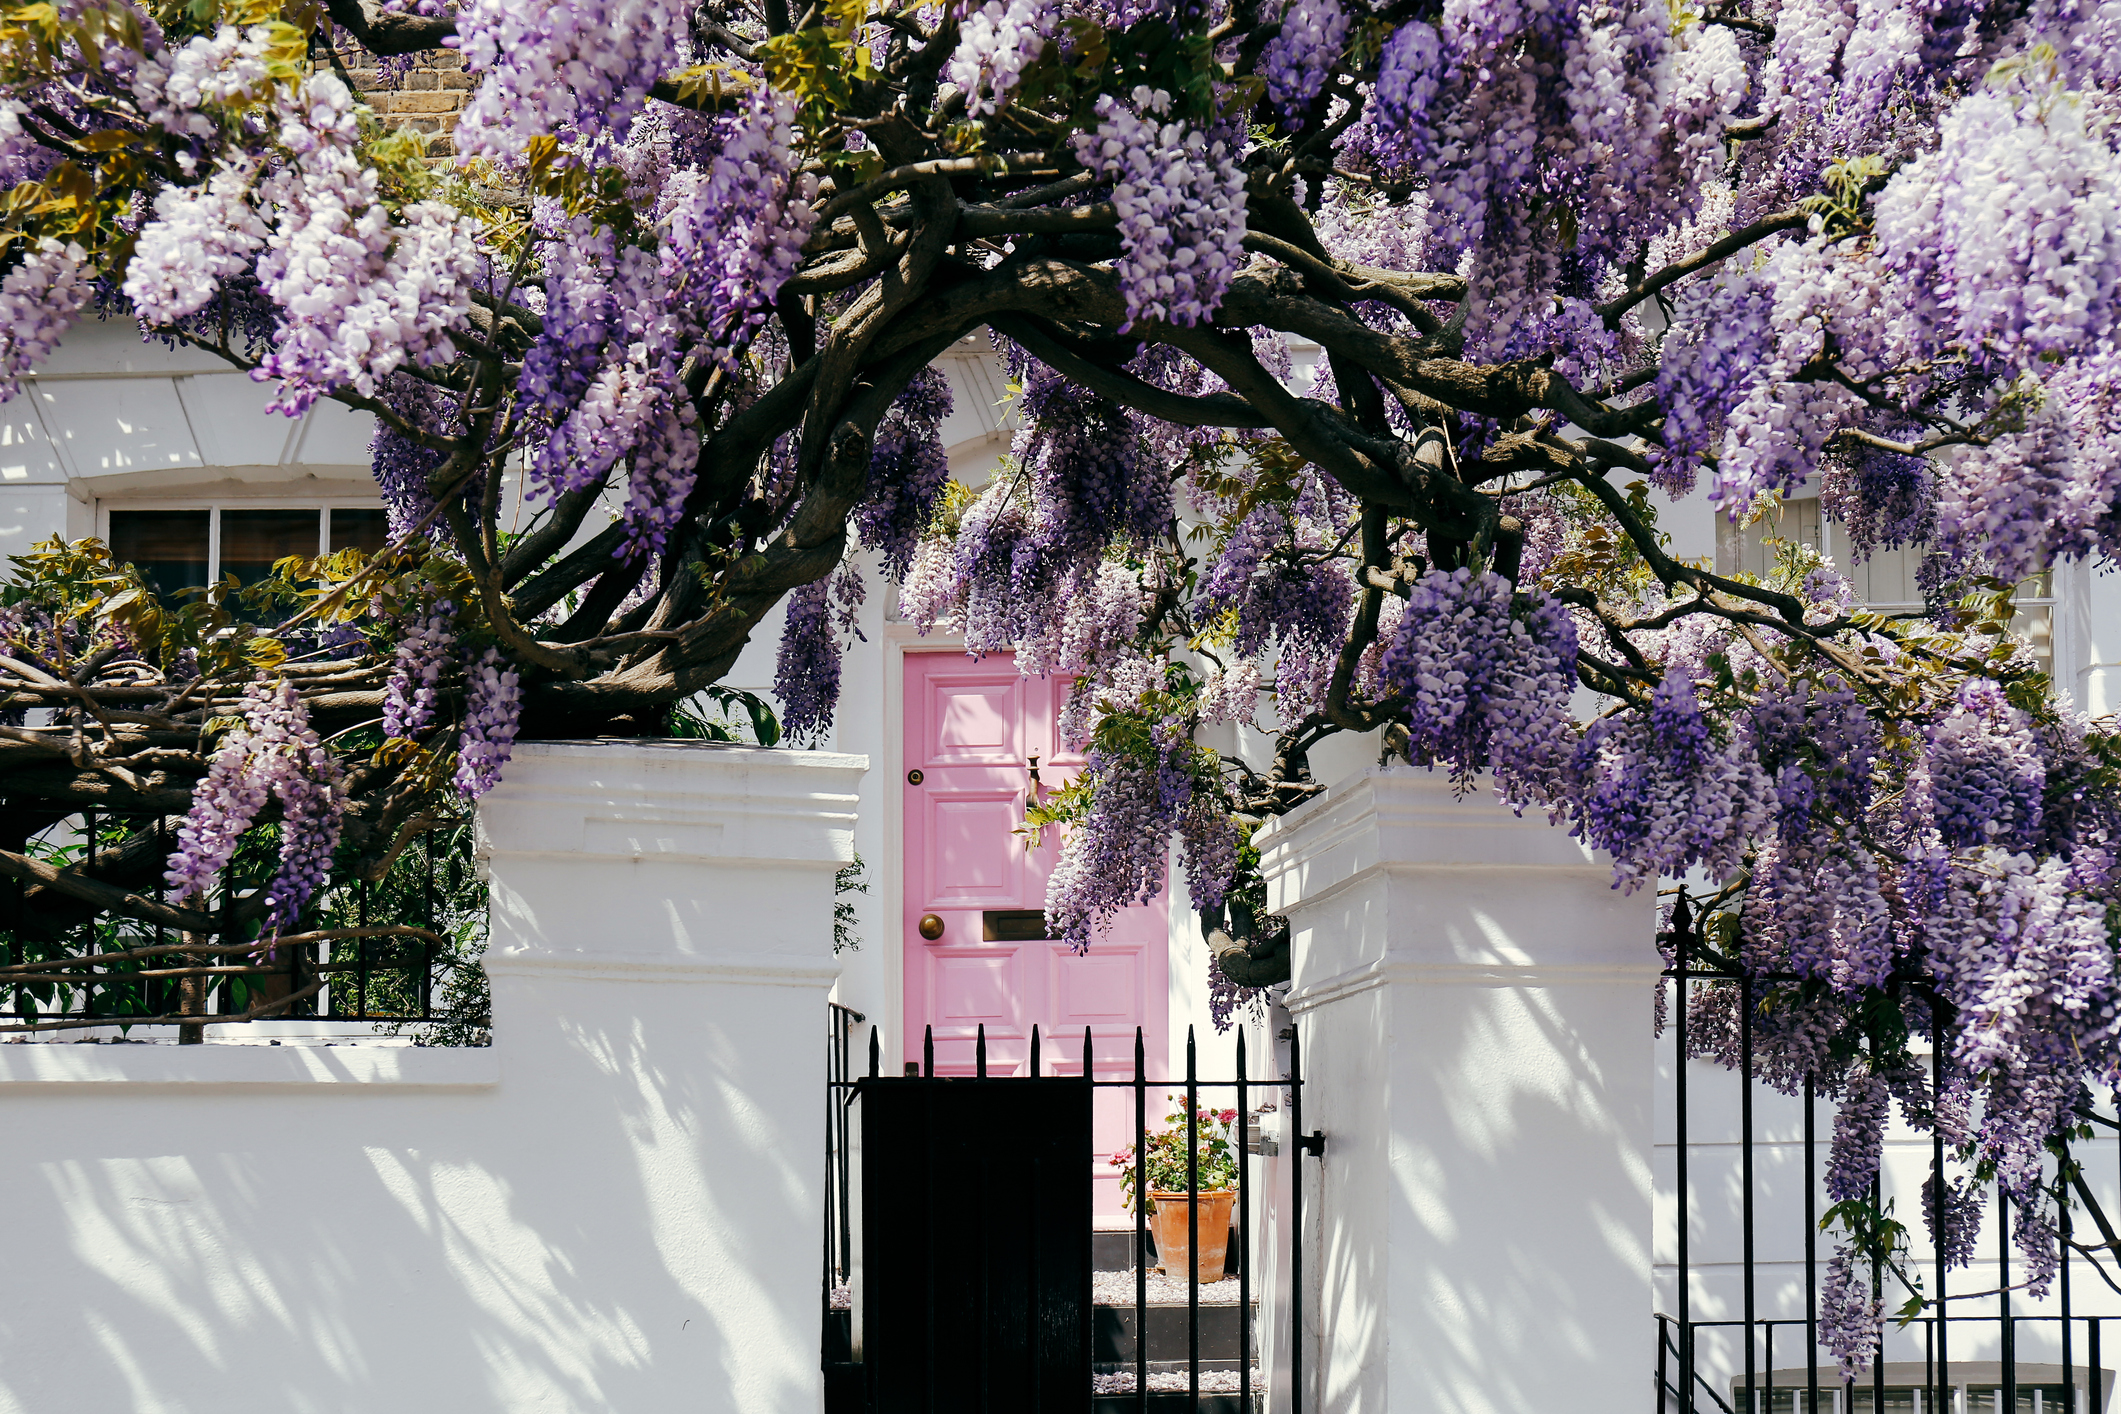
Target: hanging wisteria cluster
x=1351 y=351
x=274 y=755
x=1176 y=189
x=39 y=298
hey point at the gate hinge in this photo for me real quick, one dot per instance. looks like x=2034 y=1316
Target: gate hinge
x=1313 y=1143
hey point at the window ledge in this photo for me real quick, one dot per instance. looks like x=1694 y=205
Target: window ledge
x=48 y=1066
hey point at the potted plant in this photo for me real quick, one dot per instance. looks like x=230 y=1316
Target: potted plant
x=1163 y=1172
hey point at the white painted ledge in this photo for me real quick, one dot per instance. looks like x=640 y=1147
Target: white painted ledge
x=49 y=1066
x=728 y=970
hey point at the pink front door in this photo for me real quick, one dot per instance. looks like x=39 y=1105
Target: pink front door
x=973 y=727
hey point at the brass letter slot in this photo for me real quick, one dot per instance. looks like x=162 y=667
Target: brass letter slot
x=1013 y=925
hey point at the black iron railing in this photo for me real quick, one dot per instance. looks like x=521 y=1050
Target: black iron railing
x=839 y=1195
x=90 y=940
x=1914 y=1369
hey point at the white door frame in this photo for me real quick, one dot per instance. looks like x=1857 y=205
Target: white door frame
x=899 y=640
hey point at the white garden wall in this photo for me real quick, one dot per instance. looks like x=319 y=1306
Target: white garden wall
x=616 y=1207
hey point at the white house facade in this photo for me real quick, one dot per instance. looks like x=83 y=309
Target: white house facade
x=173 y=459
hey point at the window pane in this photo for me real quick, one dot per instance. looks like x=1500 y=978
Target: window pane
x=168 y=546
x=2036 y=624
x=1887 y=578
x=365 y=530
x=1796 y=520
x=252 y=540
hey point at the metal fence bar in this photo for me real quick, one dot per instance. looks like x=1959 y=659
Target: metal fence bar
x=89 y=947
x=982 y=1272
x=833 y=1160
x=2098 y=1370
x=360 y=955
x=1664 y=1369
x=1811 y=1245
x=1745 y=1164
x=1244 y=1236
x=427 y=969
x=2003 y=1294
x=1944 y=1333
x=1681 y=928
x=1877 y=1291
x=1141 y=1222
x=2069 y=1368
x=1192 y=1225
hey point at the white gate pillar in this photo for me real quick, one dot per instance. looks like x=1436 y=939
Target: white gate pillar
x=1473 y=999
x=661 y=957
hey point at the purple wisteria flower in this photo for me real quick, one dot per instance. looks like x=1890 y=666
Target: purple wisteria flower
x=274 y=754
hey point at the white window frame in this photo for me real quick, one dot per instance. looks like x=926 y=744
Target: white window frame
x=323 y=506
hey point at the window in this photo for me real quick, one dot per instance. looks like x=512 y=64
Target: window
x=251 y=541
x=170 y=547
x=1886 y=581
x=187 y=548
x=363 y=528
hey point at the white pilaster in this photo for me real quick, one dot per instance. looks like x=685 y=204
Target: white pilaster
x=1474 y=1003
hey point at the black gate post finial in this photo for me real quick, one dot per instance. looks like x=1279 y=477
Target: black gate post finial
x=876 y=1052
x=928 y=1055
x=1034 y=1051
x=979 y=1053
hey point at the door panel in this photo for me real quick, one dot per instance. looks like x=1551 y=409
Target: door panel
x=1102 y=989
x=968 y=867
x=976 y=721
x=972 y=729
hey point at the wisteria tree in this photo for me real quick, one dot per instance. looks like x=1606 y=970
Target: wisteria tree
x=690 y=265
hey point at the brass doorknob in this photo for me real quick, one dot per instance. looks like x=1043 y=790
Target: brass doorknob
x=931 y=926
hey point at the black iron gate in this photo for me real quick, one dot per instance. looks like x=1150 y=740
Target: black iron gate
x=961 y=1270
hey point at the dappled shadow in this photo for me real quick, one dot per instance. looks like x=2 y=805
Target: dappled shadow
x=606 y=1228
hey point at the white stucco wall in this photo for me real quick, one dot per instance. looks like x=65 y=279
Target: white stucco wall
x=614 y=1208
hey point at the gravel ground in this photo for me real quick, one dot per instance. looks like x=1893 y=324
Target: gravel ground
x=1211 y=1382
x=1117 y=1289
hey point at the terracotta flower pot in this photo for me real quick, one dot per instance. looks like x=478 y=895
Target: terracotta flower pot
x=1168 y=1221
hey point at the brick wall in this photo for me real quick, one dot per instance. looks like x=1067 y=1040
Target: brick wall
x=427 y=98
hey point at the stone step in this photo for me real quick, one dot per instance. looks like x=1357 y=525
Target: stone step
x=1176 y=1402
x=1169 y=1394
x=1114 y=1333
